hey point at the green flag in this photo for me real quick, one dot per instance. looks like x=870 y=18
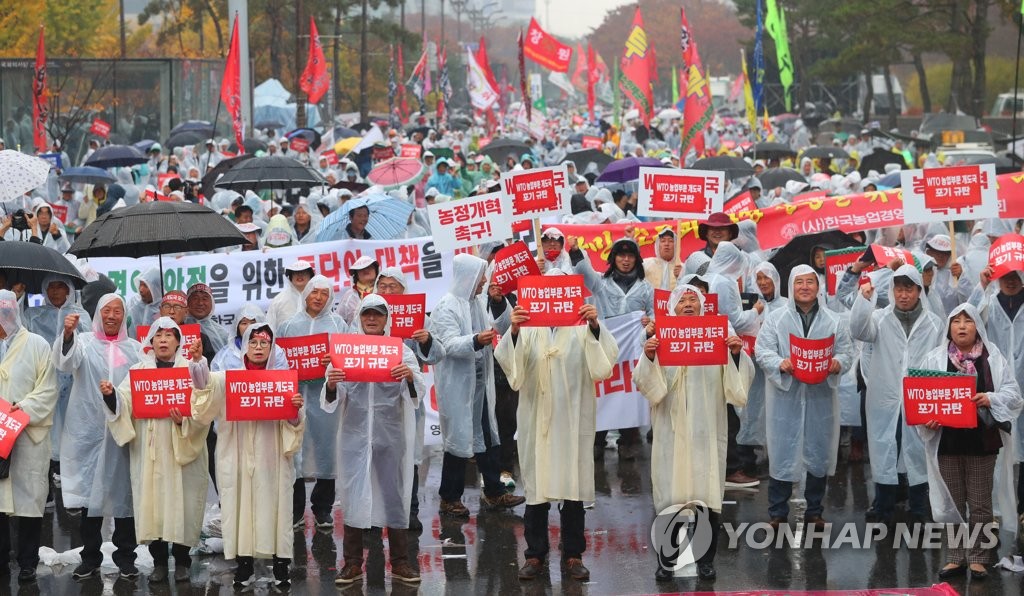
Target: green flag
x=675 y=85
x=775 y=23
x=541 y=104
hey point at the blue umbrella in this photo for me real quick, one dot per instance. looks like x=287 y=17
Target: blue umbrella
x=201 y=126
x=87 y=175
x=116 y=156
x=144 y=145
x=628 y=169
x=388 y=218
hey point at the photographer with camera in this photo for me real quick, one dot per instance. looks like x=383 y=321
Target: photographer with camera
x=20 y=225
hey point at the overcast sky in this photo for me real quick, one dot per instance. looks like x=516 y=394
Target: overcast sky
x=573 y=18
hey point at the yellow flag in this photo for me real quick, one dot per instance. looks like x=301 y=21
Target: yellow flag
x=748 y=94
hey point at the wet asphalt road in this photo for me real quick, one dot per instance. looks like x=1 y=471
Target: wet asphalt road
x=482 y=555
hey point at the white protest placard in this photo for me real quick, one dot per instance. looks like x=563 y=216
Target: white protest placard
x=948 y=194
x=471 y=221
x=683 y=194
x=537 y=192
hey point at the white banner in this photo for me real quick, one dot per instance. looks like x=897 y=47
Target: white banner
x=471 y=221
x=949 y=193
x=255 y=277
x=679 y=194
x=619 y=403
x=481 y=94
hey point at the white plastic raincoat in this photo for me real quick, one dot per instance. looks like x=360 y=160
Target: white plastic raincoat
x=608 y=297
x=230 y=356
x=752 y=421
x=139 y=312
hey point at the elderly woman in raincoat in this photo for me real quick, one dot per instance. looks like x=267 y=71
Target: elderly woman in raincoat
x=899 y=336
x=554 y=370
x=690 y=426
x=255 y=471
x=802 y=419
x=378 y=436
x=319 y=457
x=96 y=476
x=169 y=463
x=963 y=462
x=289 y=301
x=27 y=380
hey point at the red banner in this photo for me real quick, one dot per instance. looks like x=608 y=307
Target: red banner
x=411 y=150
x=366 y=358
x=544 y=49
x=749 y=342
x=536 y=192
x=331 y=156
x=511 y=263
x=597 y=240
x=551 y=300
x=190 y=332
x=661 y=301
x=99 y=128
x=1006 y=255
x=945 y=398
x=304 y=354
x=951 y=188
x=809 y=196
x=11 y=425
x=591 y=142
x=1010 y=190
x=836 y=262
x=59 y=212
x=260 y=395
x=740 y=203
x=299 y=145
x=162 y=180
x=381 y=153
x=40 y=97
x=679 y=193
x=692 y=341
x=710 y=304
x=408 y=313
x=315 y=80
x=885 y=254
x=156 y=390
x=811 y=358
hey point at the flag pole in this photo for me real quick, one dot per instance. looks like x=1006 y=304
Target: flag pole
x=1016 y=81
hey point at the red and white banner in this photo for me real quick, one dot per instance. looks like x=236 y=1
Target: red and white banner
x=692 y=341
x=190 y=332
x=541 y=47
x=331 y=156
x=661 y=301
x=156 y=390
x=710 y=304
x=512 y=263
x=596 y=240
x=298 y=145
x=305 y=354
x=59 y=212
x=408 y=313
x=381 y=153
x=413 y=150
x=366 y=358
x=471 y=221
x=537 y=192
x=619 y=403
x=884 y=255
x=11 y=425
x=837 y=262
x=684 y=194
x=162 y=180
x=100 y=128
x=1006 y=255
x=811 y=358
x=740 y=203
x=551 y=300
x=749 y=342
x=951 y=193
x=945 y=398
x=591 y=142
x=260 y=395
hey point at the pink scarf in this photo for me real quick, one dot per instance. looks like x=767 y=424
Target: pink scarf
x=964 y=361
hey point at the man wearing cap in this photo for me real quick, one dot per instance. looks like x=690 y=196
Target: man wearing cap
x=947 y=272
x=663 y=269
x=287 y=303
x=251 y=232
x=718 y=228
x=363 y=274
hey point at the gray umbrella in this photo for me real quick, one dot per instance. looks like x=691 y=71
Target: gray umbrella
x=272 y=172
x=31 y=263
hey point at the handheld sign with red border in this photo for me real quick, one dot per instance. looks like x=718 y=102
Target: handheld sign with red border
x=884 y=254
x=692 y=341
x=811 y=358
x=948 y=194
x=740 y=203
x=59 y=212
x=537 y=192
x=411 y=150
x=551 y=300
x=260 y=395
x=100 y=128
x=381 y=153
x=190 y=332
x=164 y=179
x=408 y=313
x=511 y=263
x=683 y=194
x=470 y=221
x=938 y=395
x=591 y=142
x=304 y=354
x=11 y=425
x=710 y=304
x=331 y=156
x=837 y=261
x=749 y=342
x=661 y=301
x=1006 y=255
x=156 y=390
x=366 y=358
x=298 y=145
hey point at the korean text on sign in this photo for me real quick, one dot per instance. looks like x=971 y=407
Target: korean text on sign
x=811 y=358
x=1006 y=255
x=366 y=358
x=260 y=394
x=950 y=193
x=692 y=341
x=408 y=313
x=469 y=222
x=552 y=300
x=946 y=399
x=305 y=354
x=156 y=390
x=11 y=426
x=685 y=194
x=512 y=263
x=536 y=192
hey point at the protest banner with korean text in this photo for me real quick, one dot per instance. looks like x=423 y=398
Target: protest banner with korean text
x=410 y=150
x=551 y=300
x=692 y=341
x=11 y=426
x=156 y=390
x=949 y=193
x=537 y=192
x=682 y=194
x=837 y=262
x=591 y=142
x=512 y=263
x=883 y=255
x=260 y=395
x=596 y=240
x=408 y=313
x=366 y=358
x=305 y=354
x=811 y=358
x=942 y=396
x=1006 y=255
x=470 y=221
x=299 y=144
x=100 y=128
x=59 y=211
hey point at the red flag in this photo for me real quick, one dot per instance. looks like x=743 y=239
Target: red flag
x=636 y=70
x=581 y=66
x=39 y=105
x=544 y=49
x=522 y=80
x=485 y=65
x=593 y=75
x=315 y=81
x=653 y=63
x=231 y=89
x=698 y=111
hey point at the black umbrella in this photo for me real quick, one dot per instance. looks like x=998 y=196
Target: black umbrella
x=499 y=149
x=825 y=153
x=771 y=150
x=312 y=137
x=776 y=177
x=200 y=126
x=576 y=137
x=585 y=156
x=250 y=146
x=210 y=179
x=355 y=187
x=155 y=229
x=877 y=159
x=269 y=123
x=271 y=172
x=30 y=263
x=415 y=128
x=342 y=132
x=798 y=252
x=115 y=156
x=185 y=139
x=734 y=167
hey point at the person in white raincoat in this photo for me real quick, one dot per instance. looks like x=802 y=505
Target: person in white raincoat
x=51 y=229
x=963 y=462
x=690 y=425
x=28 y=382
x=200 y=310
x=144 y=306
x=230 y=356
x=255 y=471
x=554 y=370
x=319 y=458
x=945 y=282
x=363 y=274
x=289 y=301
x=96 y=476
x=555 y=256
x=464 y=383
x=663 y=269
x=169 y=464
x=899 y=336
x=378 y=436
x=802 y=420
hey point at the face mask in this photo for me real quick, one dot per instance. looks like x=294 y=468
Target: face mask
x=552 y=255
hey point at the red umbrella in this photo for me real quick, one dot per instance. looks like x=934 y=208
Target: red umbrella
x=397 y=171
